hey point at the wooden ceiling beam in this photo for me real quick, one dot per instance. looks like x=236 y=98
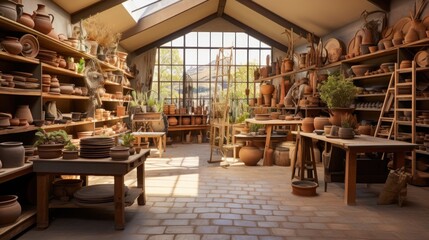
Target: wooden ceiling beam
x=221 y=8
x=254 y=33
x=276 y=18
x=382 y=4
x=161 y=16
x=175 y=34
x=93 y=9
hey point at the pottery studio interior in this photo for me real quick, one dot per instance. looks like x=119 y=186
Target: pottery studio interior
x=214 y=119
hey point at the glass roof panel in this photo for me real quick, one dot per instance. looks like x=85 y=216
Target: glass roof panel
x=141 y=8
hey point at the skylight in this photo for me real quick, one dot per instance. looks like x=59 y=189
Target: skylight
x=141 y=8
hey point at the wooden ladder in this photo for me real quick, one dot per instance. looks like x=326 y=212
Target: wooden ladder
x=385 y=109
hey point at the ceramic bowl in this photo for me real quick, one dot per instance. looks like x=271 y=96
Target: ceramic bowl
x=319 y=132
x=361 y=69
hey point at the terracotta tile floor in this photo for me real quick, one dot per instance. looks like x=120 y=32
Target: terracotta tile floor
x=191 y=199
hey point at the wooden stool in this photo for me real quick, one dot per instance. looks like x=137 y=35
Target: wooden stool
x=304 y=168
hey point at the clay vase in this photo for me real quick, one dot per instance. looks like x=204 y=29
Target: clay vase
x=43 y=22
x=337 y=113
x=10 y=209
x=10 y=9
x=12 y=154
x=250 y=155
x=308 y=125
x=26 y=20
x=12 y=45
x=346 y=133
x=172 y=121
x=320 y=122
x=23 y=111
x=267 y=89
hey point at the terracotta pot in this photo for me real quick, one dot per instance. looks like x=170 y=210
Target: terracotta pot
x=62 y=62
x=411 y=36
x=119 y=153
x=23 y=111
x=365 y=129
x=120 y=111
x=10 y=209
x=64 y=189
x=12 y=154
x=320 y=122
x=186 y=121
x=14 y=121
x=267 y=99
x=50 y=151
x=267 y=89
x=41 y=9
x=367 y=37
x=288 y=65
x=327 y=129
x=26 y=20
x=42 y=22
x=172 y=121
x=308 y=125
x=12 y=45
x=337 y=113
x=250 y=155
x=10 y=9
x=198 y=120
x=346 y=133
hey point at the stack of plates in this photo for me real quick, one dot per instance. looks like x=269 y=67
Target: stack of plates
x=95 y=147
x=96 y=194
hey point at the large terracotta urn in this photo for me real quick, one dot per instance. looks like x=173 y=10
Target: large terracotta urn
x=12 y=154
x=10 y=209
x=337 y=113
x=250 y=155
x=23 y=112
x=308 y=125
x=320 y=122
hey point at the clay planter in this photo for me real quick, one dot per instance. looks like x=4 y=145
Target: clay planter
x=9 y=9
x=250 y=155
x=308 y=125
x=23 y=112
x=64 y=189
x=70 y=154
x=267 y=89
x=119 y=153
x=304 y=188
x=50 y=151
x=12 y=154
x=337 y=113
x=10 y=209
x=346 y=133
x=27 y=20
x=12 y=45
x=320 y=122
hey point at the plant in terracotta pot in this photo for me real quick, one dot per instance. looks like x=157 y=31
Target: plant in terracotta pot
x=338 y=93
x=50 y=144
x=70 y=151
x=128 y=141
x=348 y=124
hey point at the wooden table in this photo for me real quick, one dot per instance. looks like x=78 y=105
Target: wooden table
x=160 y=139
x=45 y=168
x=362 y=144
x=269 y=124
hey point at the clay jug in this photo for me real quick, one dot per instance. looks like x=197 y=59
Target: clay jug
x=12 y=154
x=367 y=37
x=24 y=112
x=41 y=9
x=12 y=45
x=10 y=9
x=10 y=209
x=308 y=125
x=43 y=22
x=250 y=155
x=320 y=122
x=26 y=20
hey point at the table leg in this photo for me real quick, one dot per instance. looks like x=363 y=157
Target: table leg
x=165 y=141
x=160 y=146
x=42 y=200
x=350 y=178
x=398 y=160
x=268 y=130
x=141 y=200
x=119 y=200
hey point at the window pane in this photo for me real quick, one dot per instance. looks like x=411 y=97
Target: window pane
x=167 y=44
x=165 y=90
x=240 y=57
x=204 y=39
x=213 y=54
x=203 y=56
x=216 y=39
x=177 y=56
x=178 y=42
x=241 y=40
x=177 y=73
x=253 y=42
x=165 y=56
x=228 y=39
x=264 y=54
x=241 y=74
x=254 y=57
x=203 y=91
x=191 y=39
x=190 y=56
x=263 y=45
x=165 y=73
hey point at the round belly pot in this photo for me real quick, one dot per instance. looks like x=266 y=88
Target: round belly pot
x=12 y=154
x=250 y=155
x=320 y=122
x=10 y=209
x=308 y=125
x=337 y=113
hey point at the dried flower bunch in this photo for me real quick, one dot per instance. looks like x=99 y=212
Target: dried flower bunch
x=100 y=32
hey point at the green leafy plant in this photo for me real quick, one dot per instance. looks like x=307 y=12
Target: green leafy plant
x=337 y=92
x=348 y=121
x=54 y=137
x=128 y=140
x=70 y=147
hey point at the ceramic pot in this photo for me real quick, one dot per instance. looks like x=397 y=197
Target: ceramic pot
x=327 y=129
x=14 y=121
x=62 y=62
x=365 y=129
x=288 y=65
x=12 y=45
x=43 y=22
x=267 y=99
x=12 y=154
x=320 y=122
x=308 y=125
x=132 y=150
x=172 y=121
x=337 y=113
x=26 y=20
x=198 y=120
x=70 y=154
x=50 y=151
x=10 y=209
x=5 y=122
x=119 y=153
x=267 y=89
x=41 y=9
x=64 y=189
x=250 y=155
x=411 y=36
x=186 y=121
x=120 y=111
x=346 y=133
x=10 y=9
x=23 y=112
x=367 y=37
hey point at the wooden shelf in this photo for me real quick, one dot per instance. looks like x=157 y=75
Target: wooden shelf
x=186 y=115
x=65 y=125
x=370 y=56
x=46 y=68
x=373 y=76
x=368 y=109
x=371 y=95
x=64 y=96
x=17 y=129
x=111 y=119
x=7 y=174
x=109 y=67
x=285 y=74
x=24 y=221
x=20 y=92
x=17 y=58
x=113 y=100
x=423 y=152
x=422 y=125
x=422 y=98
x=117 y=84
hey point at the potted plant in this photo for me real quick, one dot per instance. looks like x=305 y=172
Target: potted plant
x=348 y=124
x=338 y=93
x=70 y=151
x=50 y=144
x=128 y=141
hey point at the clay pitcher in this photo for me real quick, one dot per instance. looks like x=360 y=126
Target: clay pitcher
x=42 y=21
x=41 y=9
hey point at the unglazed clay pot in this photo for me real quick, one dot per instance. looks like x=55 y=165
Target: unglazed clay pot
x=12 y=45
x=250 y=155
x=43 y=22
x=346 y=133
x=10 y=209
x=27 y=20
x=320 y=122
x=198 y=120
x=308 y=125
x=186 y=121
x=172 y=121
x=337 y=113
x=23 y=112
x=119 y=153
x=10 y=9
x=50 y=151
x=12 y=154
x=267 y=89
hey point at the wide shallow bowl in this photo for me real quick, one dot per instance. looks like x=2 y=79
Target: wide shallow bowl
x=361 y=69
x=304 y=188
